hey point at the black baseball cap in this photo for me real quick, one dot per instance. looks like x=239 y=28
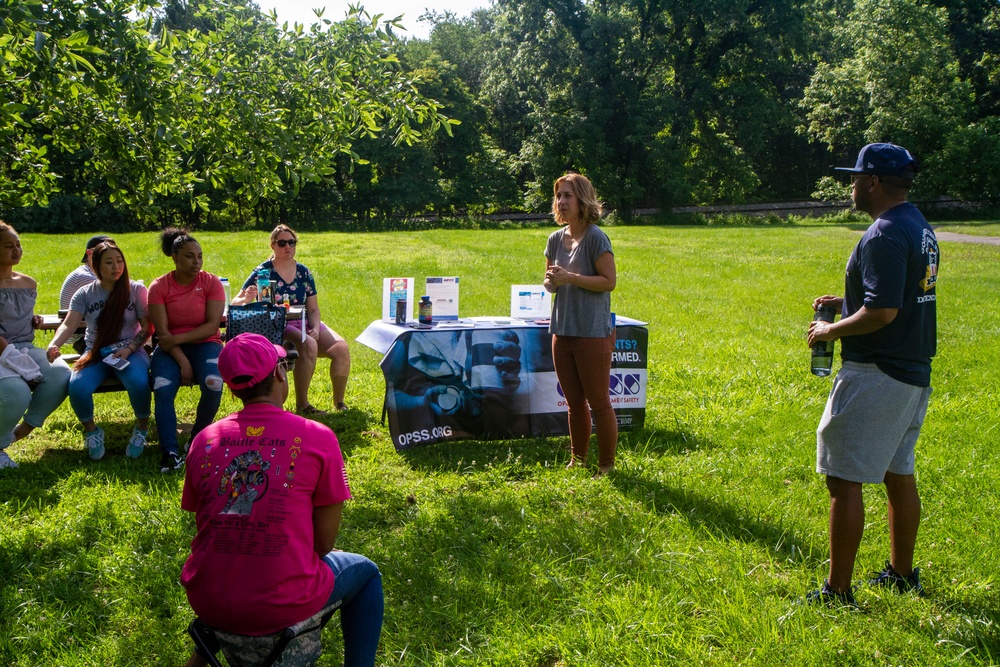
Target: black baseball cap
x=93 y=242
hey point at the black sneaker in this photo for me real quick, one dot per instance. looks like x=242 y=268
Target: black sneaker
x=832 y=598
x=889 y=578
x=170 y=461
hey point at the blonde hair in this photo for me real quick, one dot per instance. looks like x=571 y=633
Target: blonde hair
x=590 y=207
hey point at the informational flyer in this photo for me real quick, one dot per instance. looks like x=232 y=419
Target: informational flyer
x=443 y=292
x=530 y=302
x=397 y=300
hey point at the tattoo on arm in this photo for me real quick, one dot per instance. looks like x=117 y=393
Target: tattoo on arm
x=139 y=340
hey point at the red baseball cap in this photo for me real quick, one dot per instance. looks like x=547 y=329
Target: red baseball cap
x=247 y=359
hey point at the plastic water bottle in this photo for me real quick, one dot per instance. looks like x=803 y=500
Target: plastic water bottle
x=426 y=310
x=225 y=288
x=263 y=285
x=822 y=351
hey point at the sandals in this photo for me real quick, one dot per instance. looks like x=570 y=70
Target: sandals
x=311 y=411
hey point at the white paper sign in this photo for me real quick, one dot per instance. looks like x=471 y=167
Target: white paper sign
x=530 y=302
x=443 y=292
x=395 y=290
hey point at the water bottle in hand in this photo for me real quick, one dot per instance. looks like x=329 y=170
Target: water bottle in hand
x=822 y=351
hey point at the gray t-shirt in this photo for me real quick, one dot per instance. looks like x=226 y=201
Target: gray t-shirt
x=17 y=307
x=90 y=299
x=577 y=311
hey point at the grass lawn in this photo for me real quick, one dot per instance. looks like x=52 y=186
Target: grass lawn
x=697 y=551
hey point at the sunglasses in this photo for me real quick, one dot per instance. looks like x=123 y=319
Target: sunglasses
x=288 y=365
x=281 y=243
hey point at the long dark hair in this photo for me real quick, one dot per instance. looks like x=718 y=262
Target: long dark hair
x=109 y=322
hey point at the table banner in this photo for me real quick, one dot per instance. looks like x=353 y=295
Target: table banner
x=496 y=383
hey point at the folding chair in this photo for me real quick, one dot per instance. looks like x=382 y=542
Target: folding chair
x=261 y=318
x=299 y=645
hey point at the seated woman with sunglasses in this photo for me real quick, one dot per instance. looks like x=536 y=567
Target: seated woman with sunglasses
x=294 y=283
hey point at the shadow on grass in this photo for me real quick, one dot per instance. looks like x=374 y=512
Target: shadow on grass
x=984 y=621
x=723 y=520
x=117 y=552
x=350 y=427
x=462 y=455
x=525 y=554
x=551 y=451
x=35 y=483
x=661 y=442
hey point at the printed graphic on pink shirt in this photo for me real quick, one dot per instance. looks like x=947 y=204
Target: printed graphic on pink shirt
x=245 y=482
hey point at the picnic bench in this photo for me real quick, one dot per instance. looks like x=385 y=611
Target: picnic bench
x=112 y=383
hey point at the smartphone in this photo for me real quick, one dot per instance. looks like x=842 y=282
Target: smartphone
x=116 y=363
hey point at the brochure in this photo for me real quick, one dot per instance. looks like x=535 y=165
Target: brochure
x=443 y=292
x=496 y=322
x=397 y=300
x=530 y=302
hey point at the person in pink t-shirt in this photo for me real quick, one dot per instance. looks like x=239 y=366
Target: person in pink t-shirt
x=267 y=488
x=186 y=307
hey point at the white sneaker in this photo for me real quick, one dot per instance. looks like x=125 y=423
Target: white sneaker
x=94 y=442
x=6 y=461
x=137 y=444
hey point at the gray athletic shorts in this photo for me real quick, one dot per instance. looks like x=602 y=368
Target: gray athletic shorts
x=870 y=425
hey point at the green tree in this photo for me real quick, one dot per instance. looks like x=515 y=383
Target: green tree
x=461 y=172
x=900 y=81
x=247 y=107
x=968 y=166
x=974 y=26
x=75 y=94
x=658 y=101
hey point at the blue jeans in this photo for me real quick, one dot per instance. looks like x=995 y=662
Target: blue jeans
x=166 y=373
x=135 y=378
x=358 y=583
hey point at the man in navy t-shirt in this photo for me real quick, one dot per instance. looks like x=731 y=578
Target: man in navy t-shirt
x=879 y=398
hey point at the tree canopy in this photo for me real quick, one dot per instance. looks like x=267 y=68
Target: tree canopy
x=212 y=113
x=235 y=106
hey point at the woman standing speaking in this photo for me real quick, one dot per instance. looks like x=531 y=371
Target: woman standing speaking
x=580 y=271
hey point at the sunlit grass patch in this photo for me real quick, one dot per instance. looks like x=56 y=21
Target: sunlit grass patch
x=697 y=550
